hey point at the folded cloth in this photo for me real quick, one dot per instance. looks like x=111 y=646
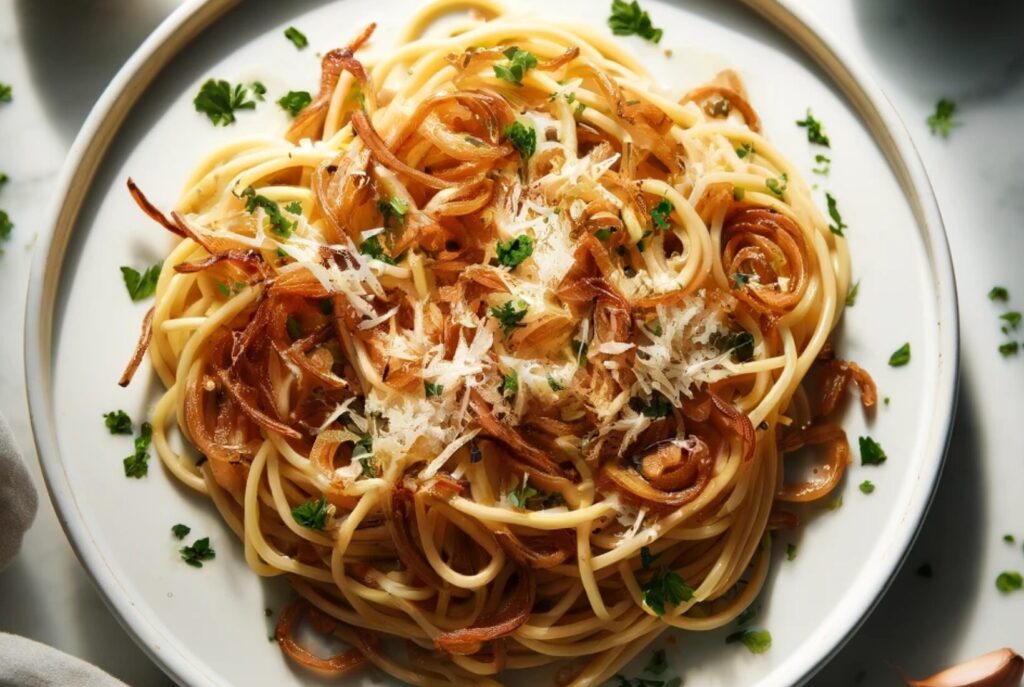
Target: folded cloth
x=18 y=498
x=24 y=663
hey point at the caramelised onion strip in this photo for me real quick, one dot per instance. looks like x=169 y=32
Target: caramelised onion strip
x=554 y=63
x=827 y=473
x=397 y=512
x=541 y=552
x=635 y=487
x=701 y=94
x=837 y=377
x=1001 y=668
x=667 y=469
x=769 y=246
x=251 y=259
x=727 y=417
x=284 y=633
x=525 y=451
x=151 y=210
x=243 y=396
x=513 y=612
x=140 y=349
x=310 y=122
x=372 y=140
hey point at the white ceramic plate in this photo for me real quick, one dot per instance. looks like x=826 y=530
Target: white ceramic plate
x=207 y=627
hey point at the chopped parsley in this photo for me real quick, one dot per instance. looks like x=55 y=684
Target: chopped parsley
x=294 y=328
x=660 y=214
x=833 y=212
x=1009 y=539
x=294 y=207
x=312 y=514
x=791 y=551
x=218 y=100
x=604 y=233
x=515 y=251
x=756 y=641
x=371 y=247
x=137 y=464
x=866 y=487
x=6 y=227
x=579 y=350
x=871 y=452
x=118 y=422
x=824 y=165
x=1009 y=348
x=527 y=497
x=294 y=102
x=553 y=383
x=363 y=453
x=510 y=316
x=3 y=179
x=836 y=505
x=628 y=19
x=738 y=193
x=740 y=279
x=1011 y=318
x=296 y=37
x=519 y=62
x=901 y=356
x=197 y=553
x=393 y=207
x=6 y=93
x=279 y=224
x=665 y=587
x=777 y=186
x=140 y=286
x=510 y=384
x=523 y=137
x=999 y=293
x=180 y=531
x=941 y=121
x=431 y=389
x=741 y=344
x=657 y=406
x=744 y=150
x=1009 y=581
x=258 y=90
x=814 y=132
x=646 y=559
x=851 y=295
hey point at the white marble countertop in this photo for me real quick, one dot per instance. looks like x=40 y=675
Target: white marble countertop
x=59 y=55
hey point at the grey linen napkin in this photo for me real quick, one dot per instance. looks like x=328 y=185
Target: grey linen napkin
x=24 y=663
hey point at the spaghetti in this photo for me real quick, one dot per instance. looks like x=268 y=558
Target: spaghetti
x=499 y=351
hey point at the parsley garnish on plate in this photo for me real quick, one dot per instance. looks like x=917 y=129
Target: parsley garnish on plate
x=279 y=224
x=756 y=641
x=824 y=165
x=180 y=531
x=294 y=102
x=312 y=514
x=791 y=551
x=258 y=90
x=851 y=295
x=141 y=286
x=999 y=293
x=628 y=19
x=778 y=186
x=1009 y=539
x=519 y=62
x=510 y=316
x=3 y=179
x=871 y=452
x=371 y=247
x=137 y=464
x=941 y=121
x=515 y=251
x=1009 y=348
x=118 y=422
x=430 y=389
x=1011 y=318
x=1009 y=581
x=296 y=37
x=523 y=137
x=6 y=93
x=198 y=552
x=814 y=132
x=218 y=100
x=833 y=212
x=661 y=213
x=901 y=356
x=665 y=588
x=866 y=487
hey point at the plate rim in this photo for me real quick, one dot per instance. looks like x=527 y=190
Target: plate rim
x=191 y=18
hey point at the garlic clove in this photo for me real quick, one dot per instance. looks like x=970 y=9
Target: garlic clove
x=1002 y=668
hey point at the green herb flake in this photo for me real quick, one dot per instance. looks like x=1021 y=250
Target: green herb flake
x=837 y=225
x=523 y=137
x=901 y=356
x=6 y=93
x=6 y=227
x=519 y=62
x=515 y=251
x=118 y=422
x=141 y=285
x=756 y=641
x=999 y=293
x=393 y=207
x=941 y=121
x=137 y=464
x=791 y=551
x=665 y=588
x=646 y=559
x=510 y=384
x=661 y=214
x=553 y=383
x=824 y=165
x=4 y=179
x=180 y=531
x=294 y=102
x=312 y=514
x=604 y=234
x=579 y=351
x=371 y=247
x=197 y=553
x=738 y=193
x=871 y=452
x=777 y=186
x=1009 y=539
x=219 y=101
x=656 y=406
x=814 y=130
x=1011 y=318
x=294 y=328
x=745 y=150
x=628 y=19
x=1009 y=348
x=866 y=487
x=1009 y=581
x=658 y=663
x=851 y=294
x=509 y=316
x=296 y=37
x=294 y=207
x=432 y=390
x=279 y=224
